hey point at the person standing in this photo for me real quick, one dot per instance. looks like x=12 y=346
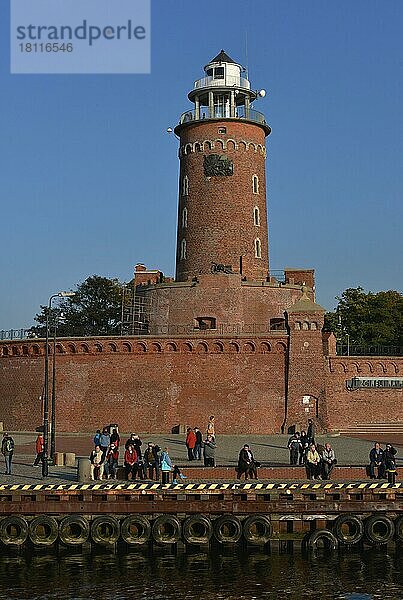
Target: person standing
x=104 y=441
x=211 y=427
x=310 y=432
x=97 y=437
x=209 y=447
x=294 y=445
x=197 y=452
x=115 y=437
x=166 y=465
x=390 y=463
x=328 y=461
x=303 y=448
x=39 y=447
x=7 y=449
x=190 y=442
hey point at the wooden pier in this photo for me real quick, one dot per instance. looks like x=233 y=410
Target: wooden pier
x=315 y=514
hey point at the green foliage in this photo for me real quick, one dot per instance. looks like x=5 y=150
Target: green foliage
x=95 y=309
x=368 y=318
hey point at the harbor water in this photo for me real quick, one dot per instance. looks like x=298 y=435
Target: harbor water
x=231 y=574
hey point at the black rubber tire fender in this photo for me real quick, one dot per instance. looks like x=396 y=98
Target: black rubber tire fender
x=66 y=534
x=399 y=529
x=321 y=537
x=43 y=530
x=143 y=526
x=160 y=535
x=17 y=523
x=228 y=529
x=379 y=529
x=356 y=529
x=108 y=537
x=192 y=524
x=260 y=522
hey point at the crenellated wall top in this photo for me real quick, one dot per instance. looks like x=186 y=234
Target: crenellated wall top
x=144 y=345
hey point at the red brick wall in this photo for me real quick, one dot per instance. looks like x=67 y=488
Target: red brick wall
x=151 y=385
x=220 y=224
x=346 y=408
x=237 y=306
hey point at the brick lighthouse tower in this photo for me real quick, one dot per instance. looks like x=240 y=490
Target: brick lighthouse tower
x=222 y=218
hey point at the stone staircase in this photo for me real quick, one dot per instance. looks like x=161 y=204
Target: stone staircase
x=373 y=429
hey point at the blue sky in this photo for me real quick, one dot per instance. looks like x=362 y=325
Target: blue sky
x=88 y=174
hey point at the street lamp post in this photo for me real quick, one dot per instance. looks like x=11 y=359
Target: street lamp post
x=45 y=460
x=53 y=403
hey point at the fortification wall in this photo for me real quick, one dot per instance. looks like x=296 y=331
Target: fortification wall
x=345 y=408
x=149 y=384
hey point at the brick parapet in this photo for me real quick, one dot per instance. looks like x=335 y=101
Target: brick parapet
x=205 y=342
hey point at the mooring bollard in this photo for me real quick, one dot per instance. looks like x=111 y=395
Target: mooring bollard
x=69 y=459
x=59 y=459
x=84 y=471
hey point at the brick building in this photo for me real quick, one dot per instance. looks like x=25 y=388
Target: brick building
x=227 y=337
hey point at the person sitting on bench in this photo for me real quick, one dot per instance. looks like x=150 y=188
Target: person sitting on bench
x=376 y=461
x=328 y=461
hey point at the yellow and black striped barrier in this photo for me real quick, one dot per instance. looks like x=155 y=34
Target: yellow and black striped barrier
x=204 y=487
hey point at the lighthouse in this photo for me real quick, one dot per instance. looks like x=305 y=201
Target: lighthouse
x=222 y=213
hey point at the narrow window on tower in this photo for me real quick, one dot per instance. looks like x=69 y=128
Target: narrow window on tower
x=258 y=248
x=183 y=249
x=256 y=216
x=184 y=218
x=255 y=184
x=185 y=186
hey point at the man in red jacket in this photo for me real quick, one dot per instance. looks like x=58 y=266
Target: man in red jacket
x=39 y=447
x=190 y=442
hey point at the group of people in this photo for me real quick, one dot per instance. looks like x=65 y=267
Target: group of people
x=195 y=444
x=383 y=462
x=318 y=460
x=144 y=463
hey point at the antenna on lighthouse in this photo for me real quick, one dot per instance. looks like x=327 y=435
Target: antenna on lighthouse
x=246 y=55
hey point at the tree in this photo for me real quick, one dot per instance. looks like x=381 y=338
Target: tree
x=369 y=319
x=95 y=309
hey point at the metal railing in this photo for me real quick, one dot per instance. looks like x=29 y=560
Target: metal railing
x=228 y=81
x=368 y=350
x=220 y=112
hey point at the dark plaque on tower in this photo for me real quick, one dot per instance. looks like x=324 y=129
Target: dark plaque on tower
x=218 y=165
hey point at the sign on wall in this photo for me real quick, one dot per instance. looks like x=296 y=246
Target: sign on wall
x=381 y=383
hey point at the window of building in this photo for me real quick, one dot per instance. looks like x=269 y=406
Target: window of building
x=203 y=323
x=185 y=186
x=258 y=248
x=255 y=184
x=277 y=324
x=219 y=73
x=256 y=216
x=222 y=130
x=184 y=218
x=183 y=250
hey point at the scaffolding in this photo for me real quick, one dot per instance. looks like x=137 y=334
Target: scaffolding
x=135 y=311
